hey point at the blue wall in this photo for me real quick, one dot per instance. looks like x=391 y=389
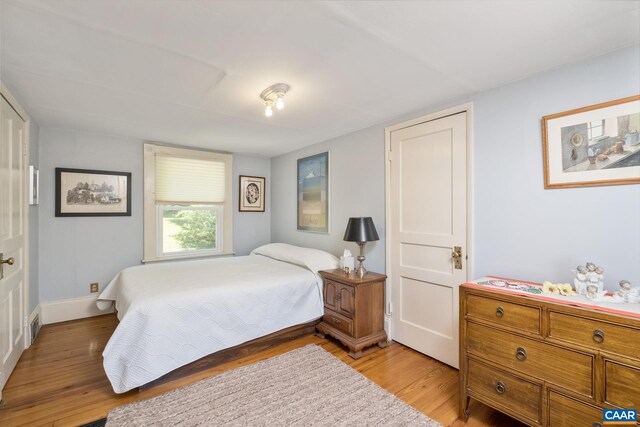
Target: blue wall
x=520 y=229
x=525 y=231
x=76 y=251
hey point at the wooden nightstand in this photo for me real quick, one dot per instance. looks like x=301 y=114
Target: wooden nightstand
x=353 y=310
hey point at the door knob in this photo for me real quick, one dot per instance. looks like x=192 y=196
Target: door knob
x=3 y=261
x=457 y=257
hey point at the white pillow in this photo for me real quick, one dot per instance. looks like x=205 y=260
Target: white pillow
x=313 y=259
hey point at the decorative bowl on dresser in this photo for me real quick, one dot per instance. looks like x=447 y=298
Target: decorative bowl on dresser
x=353 y=310
x=547 y=361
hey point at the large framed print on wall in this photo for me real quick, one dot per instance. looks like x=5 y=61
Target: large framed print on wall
x=313 y=193
x=594 y=145
x=84 y=192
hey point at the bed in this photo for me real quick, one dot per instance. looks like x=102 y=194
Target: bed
x=172 y=314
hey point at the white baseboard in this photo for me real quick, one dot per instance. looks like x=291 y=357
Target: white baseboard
x=388 y=327
x=70 y=309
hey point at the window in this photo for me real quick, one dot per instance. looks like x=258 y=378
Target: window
x=595 y=129
x=187 y=203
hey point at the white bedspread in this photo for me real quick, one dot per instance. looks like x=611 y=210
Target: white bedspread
x=172 y=314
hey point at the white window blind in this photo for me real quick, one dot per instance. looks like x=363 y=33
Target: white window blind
x=187 y=180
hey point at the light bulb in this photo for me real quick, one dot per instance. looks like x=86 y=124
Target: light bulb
x=280 y=102
x=268 y=111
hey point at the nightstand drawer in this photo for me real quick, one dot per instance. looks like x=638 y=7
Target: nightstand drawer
x=338 y=321
x=563 y=367
x=504 y=313
x=567 y=412
x=595 y=334
x=508 y=392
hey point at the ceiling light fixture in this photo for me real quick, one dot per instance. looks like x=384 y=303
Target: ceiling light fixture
x=274 y=95
x=268 y=108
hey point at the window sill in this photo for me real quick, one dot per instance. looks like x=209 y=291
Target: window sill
x=185 y=257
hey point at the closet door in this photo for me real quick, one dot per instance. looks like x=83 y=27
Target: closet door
x=12 y=239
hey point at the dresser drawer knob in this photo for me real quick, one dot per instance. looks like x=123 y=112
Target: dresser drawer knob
x=499 y=311
x=598 y=336
x=500 y=388
x=336 y=321
x=597 y=424
x=521 y=354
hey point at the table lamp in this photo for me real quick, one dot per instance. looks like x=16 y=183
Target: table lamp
x=361 y=230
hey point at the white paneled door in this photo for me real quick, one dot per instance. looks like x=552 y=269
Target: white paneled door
x=428 y=197
x=12 y=239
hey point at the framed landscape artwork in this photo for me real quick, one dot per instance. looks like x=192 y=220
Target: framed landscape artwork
x=252 y=189
x=594 y=145
x=313 y=193
x=83 y=192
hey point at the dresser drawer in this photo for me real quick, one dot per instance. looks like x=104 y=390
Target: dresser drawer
x=504 y=313
x=567 y=412
x=595 y=334
x=508 y=392
x=622 y=384
x=565 y=368
x=339 y=322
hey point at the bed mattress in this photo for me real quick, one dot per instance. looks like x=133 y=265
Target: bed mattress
x=172 y=314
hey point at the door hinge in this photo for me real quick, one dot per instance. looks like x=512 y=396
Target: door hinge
x=24 y=149
x=26 y=321
x=389 y=155
x=389 y=308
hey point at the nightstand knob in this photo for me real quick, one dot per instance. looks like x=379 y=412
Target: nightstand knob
x=336 y=321
x=521 y=354
x=598 y=336
x=499 y=311
x=500 y=388
x=597 y=424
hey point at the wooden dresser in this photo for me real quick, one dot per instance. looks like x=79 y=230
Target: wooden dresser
x=353 y=310
x=546 y=363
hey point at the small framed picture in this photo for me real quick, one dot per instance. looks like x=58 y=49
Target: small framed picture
x=252 y=190
x=84 y=192
x=34 y=185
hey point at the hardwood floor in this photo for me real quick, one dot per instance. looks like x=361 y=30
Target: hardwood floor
x=59 y=380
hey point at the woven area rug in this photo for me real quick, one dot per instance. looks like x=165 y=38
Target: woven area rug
x=303 y=387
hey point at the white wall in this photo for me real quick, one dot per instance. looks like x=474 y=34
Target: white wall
x=34 y=235
x=75 y=251
x=521 y=230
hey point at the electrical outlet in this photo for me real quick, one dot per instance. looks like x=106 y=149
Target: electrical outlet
x=94 y=287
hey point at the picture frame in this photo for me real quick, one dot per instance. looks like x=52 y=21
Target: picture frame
x=313 y=193
x=34 y=185
x=594 y=145
x=86 y=192
x=252 y=194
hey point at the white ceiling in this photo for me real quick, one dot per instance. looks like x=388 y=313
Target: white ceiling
x=190 y=72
